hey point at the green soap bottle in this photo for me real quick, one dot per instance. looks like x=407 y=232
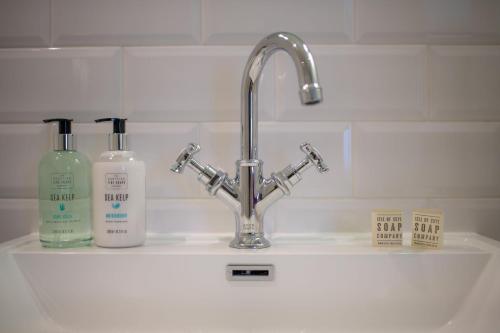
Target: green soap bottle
x=64 y=193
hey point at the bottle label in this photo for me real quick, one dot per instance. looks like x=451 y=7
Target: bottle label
x=62 y=181
x=116 y=198
x=61 y=214
x=63 y=217
x=116 y=181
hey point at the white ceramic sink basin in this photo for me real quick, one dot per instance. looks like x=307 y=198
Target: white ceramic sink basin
x=332 y=283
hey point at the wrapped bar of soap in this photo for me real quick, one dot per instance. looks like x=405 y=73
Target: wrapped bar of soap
x=427 y=228
x=387 y=227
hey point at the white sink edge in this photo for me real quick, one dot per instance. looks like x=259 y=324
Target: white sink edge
x=282 y=244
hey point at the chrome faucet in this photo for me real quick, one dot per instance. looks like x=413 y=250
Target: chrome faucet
x=249 y=194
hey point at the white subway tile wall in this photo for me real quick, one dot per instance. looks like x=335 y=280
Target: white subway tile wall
x=18 y=217
x=410 y=118
x=83 y=83
x=21 y=147
x=189 y=84
x=246 y=22
x=428 y=21
x=125 y=22
x=336 y=215
x=189 y=216
x=465 y=82
x=25 y=23
x=426 y=159
x=359 y=83
x=476 y=215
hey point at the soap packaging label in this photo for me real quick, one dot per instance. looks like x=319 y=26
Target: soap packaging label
x=427 y=229
x=387 y=227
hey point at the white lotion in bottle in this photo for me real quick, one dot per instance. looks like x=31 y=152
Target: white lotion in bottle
x=119 y=198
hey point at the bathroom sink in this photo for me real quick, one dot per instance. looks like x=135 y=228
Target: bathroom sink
x=321 y=283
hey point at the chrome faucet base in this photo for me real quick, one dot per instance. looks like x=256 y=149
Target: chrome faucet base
x=249 y=241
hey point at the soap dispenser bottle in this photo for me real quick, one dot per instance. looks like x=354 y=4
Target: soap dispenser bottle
x=119 y=197
x=64 y=190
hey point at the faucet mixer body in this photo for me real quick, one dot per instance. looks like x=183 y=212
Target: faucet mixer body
x=249 y=194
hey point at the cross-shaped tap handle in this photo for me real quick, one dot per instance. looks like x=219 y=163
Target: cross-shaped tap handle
x=314 y=157
x=185 y=157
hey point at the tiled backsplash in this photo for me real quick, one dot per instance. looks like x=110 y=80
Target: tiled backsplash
x=406 y=123
x=184 y=83
x=43 y=23
x=84 y=83
x=360 y=83
x=428 y=21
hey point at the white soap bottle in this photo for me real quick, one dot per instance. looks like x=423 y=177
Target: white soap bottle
x=119 y=193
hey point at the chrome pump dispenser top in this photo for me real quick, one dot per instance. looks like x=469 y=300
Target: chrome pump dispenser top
x=64 y=139
x=118 y=139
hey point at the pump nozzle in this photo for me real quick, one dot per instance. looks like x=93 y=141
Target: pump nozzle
x=117 y=139
x=64 y=124
x=65 y=138
x=118 y=124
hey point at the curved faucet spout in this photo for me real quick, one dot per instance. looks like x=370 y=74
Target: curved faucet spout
x=309 y=88
x=249 y=194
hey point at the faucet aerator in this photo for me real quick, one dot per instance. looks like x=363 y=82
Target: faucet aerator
x=311 y=94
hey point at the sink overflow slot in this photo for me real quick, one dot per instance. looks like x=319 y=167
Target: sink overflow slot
x=250 y=272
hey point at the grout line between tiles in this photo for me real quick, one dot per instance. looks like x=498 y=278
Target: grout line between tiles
x=198 y=139
x=274 y=113
x=207 y=199
x=354 y=146
x=428 y=85
x=122 y=81
x=51 y=24
x=285 y=122
x=354 y=19
x=203 y=33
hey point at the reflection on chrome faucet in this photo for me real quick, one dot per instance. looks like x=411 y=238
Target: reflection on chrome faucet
x=249 y=194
